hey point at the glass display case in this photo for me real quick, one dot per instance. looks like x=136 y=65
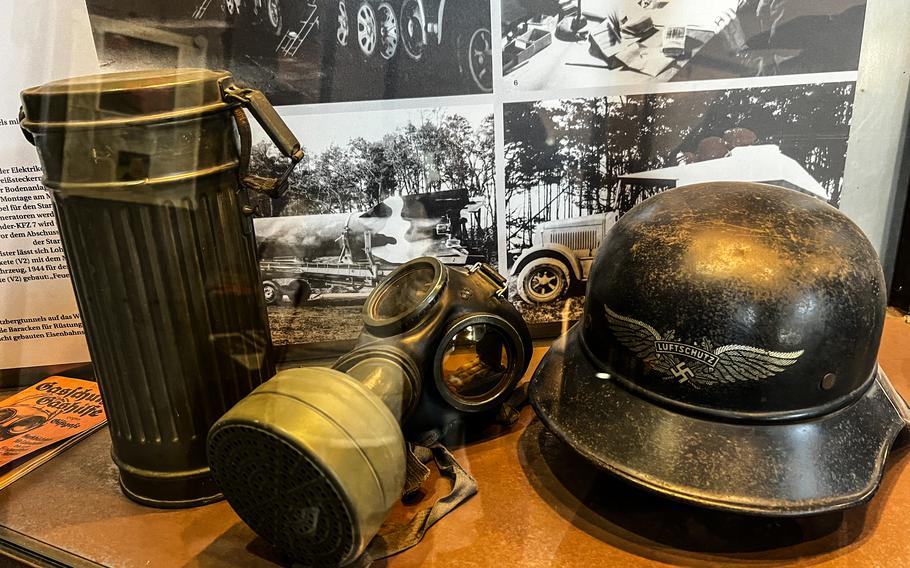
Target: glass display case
x=319 y=283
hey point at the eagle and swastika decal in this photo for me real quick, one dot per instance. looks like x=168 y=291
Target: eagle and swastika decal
x=697 y=365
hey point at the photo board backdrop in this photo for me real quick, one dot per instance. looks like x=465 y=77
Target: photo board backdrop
x=401 y=126
x=492 y=130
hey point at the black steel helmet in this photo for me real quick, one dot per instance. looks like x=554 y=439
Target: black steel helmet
x=727 y=354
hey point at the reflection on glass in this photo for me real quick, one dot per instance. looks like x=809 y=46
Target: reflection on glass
x=475 y=361
x=403 y=292
x=385 y=379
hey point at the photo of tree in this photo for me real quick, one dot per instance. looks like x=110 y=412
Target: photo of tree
x=574 y=166
x=374 y=191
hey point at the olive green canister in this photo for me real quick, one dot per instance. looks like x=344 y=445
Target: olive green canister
x=147 y=176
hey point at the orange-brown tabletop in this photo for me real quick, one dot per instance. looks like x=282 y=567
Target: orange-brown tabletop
x=538 y=504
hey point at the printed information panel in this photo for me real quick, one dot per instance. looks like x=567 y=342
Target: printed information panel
x=39 y=320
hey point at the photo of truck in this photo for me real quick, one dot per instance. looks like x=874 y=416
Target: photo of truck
x=561 y=253
x=560 y=257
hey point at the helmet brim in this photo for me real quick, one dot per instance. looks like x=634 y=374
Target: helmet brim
x=805 y=467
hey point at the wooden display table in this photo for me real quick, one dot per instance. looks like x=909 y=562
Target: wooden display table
x=539 y=505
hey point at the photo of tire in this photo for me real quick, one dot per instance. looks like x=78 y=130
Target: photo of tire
x=543 y=280
x=272 y=293
x=413 y=28
x=367 y=34
x=388 y=30
x=342 y=23
x=473 y=48
x=259 y=16
x=298 y=291
x=414 y=33
x=480 y=59
x=231 y=10
x=272 y=15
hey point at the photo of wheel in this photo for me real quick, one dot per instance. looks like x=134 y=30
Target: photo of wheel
x=271 y=293
x=343 y=29
x=310 y=51
x=231 y=8
x=267 y=15
x=301 y=292
x=413 y=29
x=388 y=30
x=480 y=59
x=274 y=18
x=366 y=29
x=543 y=280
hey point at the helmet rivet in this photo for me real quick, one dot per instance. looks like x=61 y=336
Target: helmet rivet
x=828 y=381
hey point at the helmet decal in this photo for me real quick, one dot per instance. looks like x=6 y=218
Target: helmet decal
x=692 y=364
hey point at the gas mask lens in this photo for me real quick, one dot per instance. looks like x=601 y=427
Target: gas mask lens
x=476 y=364
x=404 y=293
x=12 y=424
x=404 y=296
x=25 y=424
x=474 y=361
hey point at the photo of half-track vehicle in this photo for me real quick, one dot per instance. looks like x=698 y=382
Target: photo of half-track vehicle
x=305 y=254
x=424 y=31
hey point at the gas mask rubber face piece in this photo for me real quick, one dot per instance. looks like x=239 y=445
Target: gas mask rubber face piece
x=439 y=343
x=314 y=459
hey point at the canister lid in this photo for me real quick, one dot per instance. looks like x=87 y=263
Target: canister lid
x=123 y=96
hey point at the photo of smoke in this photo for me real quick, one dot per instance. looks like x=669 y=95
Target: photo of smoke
x=573 y=167
x=374 y=191
x=306 y=51
x=550 y=44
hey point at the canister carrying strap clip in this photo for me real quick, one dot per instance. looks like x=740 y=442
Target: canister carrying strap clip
x=493 y=276
x=274 y=126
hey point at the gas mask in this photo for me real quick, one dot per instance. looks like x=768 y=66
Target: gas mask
x=20 y=418
x=439 y=343
x=314 y=459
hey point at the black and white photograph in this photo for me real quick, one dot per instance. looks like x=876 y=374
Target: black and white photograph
x=549 y=44
x=573 y=167
x=374 y=191
x=307 y=51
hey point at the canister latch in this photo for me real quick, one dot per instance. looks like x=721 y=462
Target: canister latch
x=274 y=126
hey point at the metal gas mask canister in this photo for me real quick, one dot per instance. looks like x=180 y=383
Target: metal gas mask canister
x=149 y=188
x=314 y=459
x=439 y=342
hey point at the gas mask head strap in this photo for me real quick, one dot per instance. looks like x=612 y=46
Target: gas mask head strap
x=394 y=539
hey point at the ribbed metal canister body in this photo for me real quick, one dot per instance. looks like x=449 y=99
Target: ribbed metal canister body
x=162 y=256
